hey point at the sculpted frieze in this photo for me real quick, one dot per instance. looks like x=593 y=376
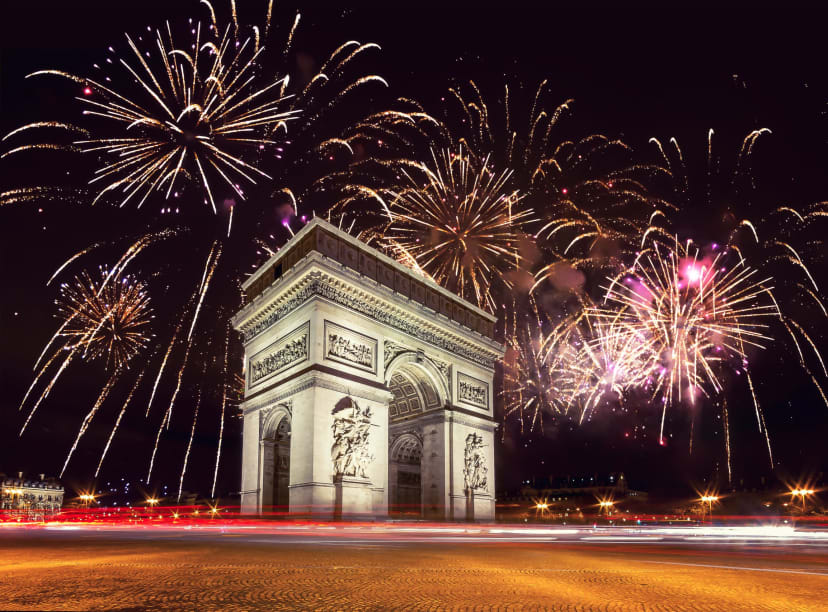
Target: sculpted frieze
x=472 y=391
x=279 y=356
x=350 y=347
x=329 y=291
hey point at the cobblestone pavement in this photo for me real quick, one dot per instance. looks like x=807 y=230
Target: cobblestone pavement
x=243 y=573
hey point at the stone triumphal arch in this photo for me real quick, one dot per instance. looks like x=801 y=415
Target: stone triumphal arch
x=368 y=388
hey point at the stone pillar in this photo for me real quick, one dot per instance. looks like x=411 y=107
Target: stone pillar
x=311 y=487
x=435 y=472
x=353 y=498
x=312 y=470
x=250 y=464
x=472 y=469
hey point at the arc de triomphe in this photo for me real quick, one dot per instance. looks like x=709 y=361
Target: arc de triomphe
x=368 y=388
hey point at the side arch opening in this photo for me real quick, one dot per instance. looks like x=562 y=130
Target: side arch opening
x=275 y=498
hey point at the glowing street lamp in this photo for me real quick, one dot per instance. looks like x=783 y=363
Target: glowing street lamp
x=606 y=505
x=803 y=493
x=709 y=500
x=541 y=507
x=86 y=498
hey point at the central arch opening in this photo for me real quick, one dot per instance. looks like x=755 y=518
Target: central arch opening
x=410 y=478
x=405 y=495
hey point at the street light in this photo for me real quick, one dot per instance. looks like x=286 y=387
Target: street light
x=86 y=498
x=709 y=500
x=803 y=493
x=606 y=505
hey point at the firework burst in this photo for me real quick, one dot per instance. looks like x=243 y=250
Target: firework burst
x=460 y=222
x=107 y=320
x=693 y=312
x=185 y=116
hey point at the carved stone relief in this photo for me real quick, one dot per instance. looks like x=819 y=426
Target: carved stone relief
x=475 y=471
x=391 y=350
x=351 y=452
x=282 y=354
x=350 y=347
x=472 y=391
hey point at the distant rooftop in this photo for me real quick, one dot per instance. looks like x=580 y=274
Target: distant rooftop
x=42 y=482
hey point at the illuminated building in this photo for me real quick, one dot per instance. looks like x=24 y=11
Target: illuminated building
x=369 y=388
x=29 y=497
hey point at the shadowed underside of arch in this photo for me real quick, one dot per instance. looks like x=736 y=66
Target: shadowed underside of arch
x=413 y=393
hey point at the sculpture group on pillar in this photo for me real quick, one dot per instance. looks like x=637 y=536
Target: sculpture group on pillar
x=475 y=472
x=351 y=428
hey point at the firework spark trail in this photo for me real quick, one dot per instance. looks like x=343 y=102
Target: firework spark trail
x=71 y=259
x=39 y=193
x=192 y=434
x=598 y=360
x=108 y=323
x=727 y=440
x=209 y=268
x=47 y=389
x=118 y=421
x=165 y=421
x=223 y=404
x=164 y=363
x=760 y=416
x=558 y=367
x=91 y=415
x=45 y=367
x=132 y=252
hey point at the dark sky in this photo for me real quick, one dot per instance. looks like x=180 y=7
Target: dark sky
x=634 y=73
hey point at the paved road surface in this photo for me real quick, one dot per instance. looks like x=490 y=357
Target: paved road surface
x=406 y=568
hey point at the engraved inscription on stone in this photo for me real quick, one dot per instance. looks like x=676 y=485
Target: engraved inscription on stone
x=285 y=352
x=472 y=391
x=350 y=347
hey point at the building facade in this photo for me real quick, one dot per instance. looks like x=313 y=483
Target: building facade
x=28 y=497
x=368 y=387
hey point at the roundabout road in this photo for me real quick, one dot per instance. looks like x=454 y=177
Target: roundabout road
x=387 y=566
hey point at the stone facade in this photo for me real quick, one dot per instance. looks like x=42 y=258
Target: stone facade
x=29 y=497
x=378 y=375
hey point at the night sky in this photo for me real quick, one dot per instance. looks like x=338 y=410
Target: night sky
x=634 y=74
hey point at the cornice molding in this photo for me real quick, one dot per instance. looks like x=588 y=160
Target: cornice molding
x=350 y=292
